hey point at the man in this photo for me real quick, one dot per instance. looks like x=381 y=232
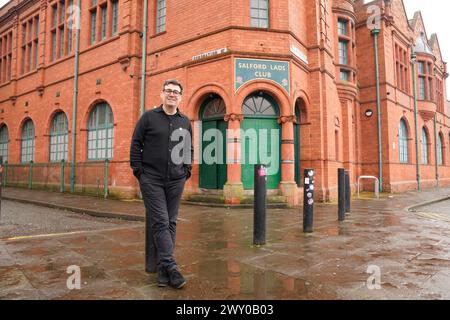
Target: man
x=161 y=157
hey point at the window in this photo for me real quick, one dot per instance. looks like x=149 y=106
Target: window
x=424 y=147
x=439 y=150
x=30 y=41
x=115 y=15
x=343 y=52
x=70 y=27
x=344 y=75
x=403 y=142
x=93 y=26
x=422 y=93
x=4 y=143
x=104 y=15
x=160 y=16
x=5 y=56
x=259 y=13
x=27 y=143
x=425 y=80
x=61 y=30
x=342 y=27
x=402 y=69
x=100 y=132
x=59 y=137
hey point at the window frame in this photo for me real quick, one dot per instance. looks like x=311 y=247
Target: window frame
x=108 y=127
x=403 y=142
x=57 y=134
x=27 y=143
x=258 y=21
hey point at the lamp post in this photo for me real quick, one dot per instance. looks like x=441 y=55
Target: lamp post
x=413 y=67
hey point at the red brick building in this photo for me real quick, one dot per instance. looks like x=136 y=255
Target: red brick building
x=303 y=68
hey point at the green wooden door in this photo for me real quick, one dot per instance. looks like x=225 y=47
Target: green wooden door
x=213 y=172
x=257 y=148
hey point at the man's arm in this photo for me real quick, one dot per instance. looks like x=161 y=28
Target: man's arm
x=137 y=145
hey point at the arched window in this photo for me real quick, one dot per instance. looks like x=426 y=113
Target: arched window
x=259 y=105
x=439 y=150
x=4 y=143
x=59 y=137
x=403 y=142
x=27 y=145
x=101 y=132
x=213 y=108
x=424 y=146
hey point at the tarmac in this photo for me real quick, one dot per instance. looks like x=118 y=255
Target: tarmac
x=391 y=248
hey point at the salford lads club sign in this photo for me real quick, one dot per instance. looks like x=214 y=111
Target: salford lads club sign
x=246 y=70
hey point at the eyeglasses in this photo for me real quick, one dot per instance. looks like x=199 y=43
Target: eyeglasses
x=174 y=92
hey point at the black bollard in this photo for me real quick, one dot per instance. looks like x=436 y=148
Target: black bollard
x=341 y=194
x=348 y=192
x=308 y=201
x=260 y=204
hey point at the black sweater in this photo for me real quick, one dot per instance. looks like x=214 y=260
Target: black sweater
x=161 y=146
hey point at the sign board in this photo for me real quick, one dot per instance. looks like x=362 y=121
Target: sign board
x=246 y=70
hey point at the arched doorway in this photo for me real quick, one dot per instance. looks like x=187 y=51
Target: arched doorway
x=260 y=139
x=213 y=169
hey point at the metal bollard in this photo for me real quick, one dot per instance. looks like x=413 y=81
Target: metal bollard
x=348 y=192
x=308 y=201
x=341 y=194
x=260 y=204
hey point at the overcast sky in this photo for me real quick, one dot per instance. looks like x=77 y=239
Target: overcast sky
x=435 y=15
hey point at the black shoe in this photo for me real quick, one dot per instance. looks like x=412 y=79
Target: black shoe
x=163 y=278
x=176 y=279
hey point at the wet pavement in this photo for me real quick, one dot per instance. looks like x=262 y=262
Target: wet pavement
x=408 y=252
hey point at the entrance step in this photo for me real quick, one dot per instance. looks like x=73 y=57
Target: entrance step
x=247 y=202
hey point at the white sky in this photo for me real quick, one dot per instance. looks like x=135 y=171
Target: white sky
x=435 y=14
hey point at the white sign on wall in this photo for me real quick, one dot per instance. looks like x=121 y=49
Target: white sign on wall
x=209 y=54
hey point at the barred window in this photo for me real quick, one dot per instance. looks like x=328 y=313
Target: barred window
x=101 y=132
x=59 y=137
x=259 y=13
x=403 y=142
x=4 y=143
x=27 y=143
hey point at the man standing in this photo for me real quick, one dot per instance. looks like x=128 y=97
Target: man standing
x=161 y=158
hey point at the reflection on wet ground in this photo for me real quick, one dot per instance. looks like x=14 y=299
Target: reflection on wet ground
x=215 y=252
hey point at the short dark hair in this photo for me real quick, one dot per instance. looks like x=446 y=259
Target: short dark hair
x=174 y=82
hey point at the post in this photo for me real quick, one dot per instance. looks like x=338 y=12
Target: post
x=348 y=192
x=341 y=194
x=436 y=138
x=106 y=179
x=413 y=68
x=260 y=204
x=30 y=176
x=61 y=175
x=308 y=201
x=375 y=33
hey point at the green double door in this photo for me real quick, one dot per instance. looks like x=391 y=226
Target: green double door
x=257 y=148
x=213 y=169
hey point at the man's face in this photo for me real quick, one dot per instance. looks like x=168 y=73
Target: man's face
x=171 y=95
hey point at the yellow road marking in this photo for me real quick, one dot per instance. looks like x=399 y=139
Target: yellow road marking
x=50 y=235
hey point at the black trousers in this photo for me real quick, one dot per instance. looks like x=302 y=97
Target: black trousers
x=162 y=201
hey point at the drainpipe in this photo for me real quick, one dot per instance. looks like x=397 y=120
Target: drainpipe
x=144 y=59
x=75 y=94
x=375 y=33
x=436 y=138
x=413 y=64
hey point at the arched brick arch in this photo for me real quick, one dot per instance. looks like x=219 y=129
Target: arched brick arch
x=301 y=100
x=20 y=127
x=196 y=99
